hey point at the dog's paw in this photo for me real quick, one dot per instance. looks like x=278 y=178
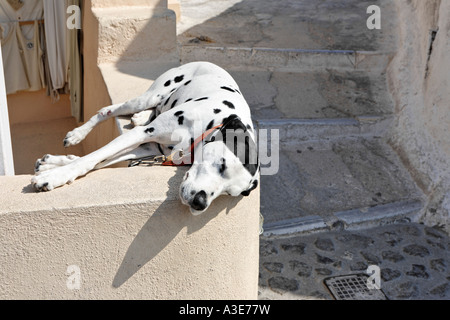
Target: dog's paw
x=51 y=179
x=141 y=118
x=50 y=162
x=41 y=186
x=74 y=137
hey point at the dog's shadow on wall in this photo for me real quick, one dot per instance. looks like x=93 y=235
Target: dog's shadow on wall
x=169 y=219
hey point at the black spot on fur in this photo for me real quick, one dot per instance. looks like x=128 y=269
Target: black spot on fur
x=217 y=111
x=210 y=125
x=188 y=82
x=201 y=99
x=174 y=104
x=167 y=101
x=188 y=100
x=229 y=104
x=179 y=113
x=223 y=166
x=168 y=83
x=251 y=152
x=179 y=79
x=253 y=187
x=181 y=120
x=150 y=130
x=228 y=89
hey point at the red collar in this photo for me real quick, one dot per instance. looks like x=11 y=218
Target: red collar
x=169 y=160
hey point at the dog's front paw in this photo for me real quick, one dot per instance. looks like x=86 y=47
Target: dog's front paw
x=49 y=162
x=74 y=137
x=42 y=184
x=52 y=179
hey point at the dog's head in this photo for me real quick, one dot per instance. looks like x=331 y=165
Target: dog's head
x=227 y=163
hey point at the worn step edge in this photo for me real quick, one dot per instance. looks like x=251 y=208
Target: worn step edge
x=286 y=59
x=295 y=130
x=356 y=219
x=384 y=214
x=295 y=226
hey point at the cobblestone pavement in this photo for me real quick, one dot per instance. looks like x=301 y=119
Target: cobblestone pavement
x=414 y=261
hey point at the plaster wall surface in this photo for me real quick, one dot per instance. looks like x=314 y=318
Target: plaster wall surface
x=130 y=237
x=419 y=82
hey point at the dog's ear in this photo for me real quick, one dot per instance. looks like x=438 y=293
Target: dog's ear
x=233 y=122
x=247 y=192
x=234 y=125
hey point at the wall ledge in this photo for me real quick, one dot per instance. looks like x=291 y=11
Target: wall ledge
x=131 y=238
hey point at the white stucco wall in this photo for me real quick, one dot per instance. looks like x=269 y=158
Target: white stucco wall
x=129 y=236
x=420 y=86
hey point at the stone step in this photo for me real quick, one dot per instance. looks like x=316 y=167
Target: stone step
x=135 y=33
x=303 y=130
x=356 y=219
x=314 y=95
x=287 y=59
x=306 y=24
x=126 y=80
x=322 y=177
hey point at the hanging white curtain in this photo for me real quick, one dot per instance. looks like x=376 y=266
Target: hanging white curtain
x=63 y=51
x=56 y=39
x=75 y=67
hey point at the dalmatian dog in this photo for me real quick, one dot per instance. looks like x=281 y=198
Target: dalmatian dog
x=194 y=114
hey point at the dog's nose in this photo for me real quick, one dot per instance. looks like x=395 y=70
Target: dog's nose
x=199 y=202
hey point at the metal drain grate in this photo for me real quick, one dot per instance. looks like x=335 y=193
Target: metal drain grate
x=353 y=287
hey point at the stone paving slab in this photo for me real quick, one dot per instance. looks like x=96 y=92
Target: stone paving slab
x=314 y=95
x=322 y=178
x=310 y=24
x=413 y=259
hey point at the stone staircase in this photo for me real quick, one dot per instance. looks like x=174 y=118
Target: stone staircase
x=341 y=200
x=314 y=76
x=312 y=71
x=327 y=96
